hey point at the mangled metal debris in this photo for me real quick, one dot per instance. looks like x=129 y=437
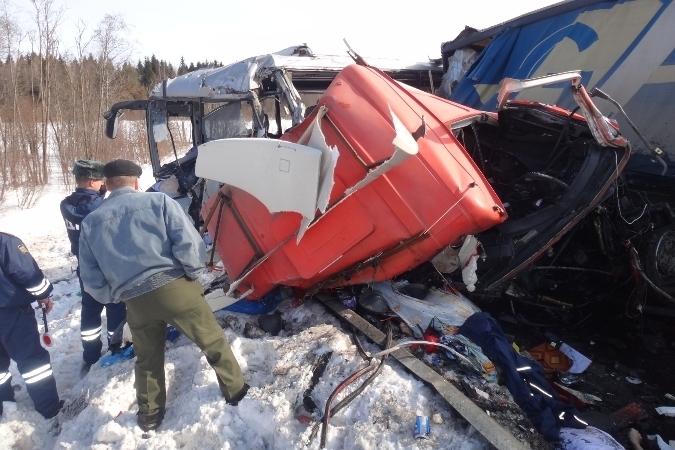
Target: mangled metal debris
x=380 y=178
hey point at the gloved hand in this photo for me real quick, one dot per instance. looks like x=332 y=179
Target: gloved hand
x=47 y=304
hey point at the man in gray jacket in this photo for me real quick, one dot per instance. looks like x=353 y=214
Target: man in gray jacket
x=142 y=249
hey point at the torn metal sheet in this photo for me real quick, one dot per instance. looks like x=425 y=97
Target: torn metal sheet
x=314 y=137
x=604 y=131
x=509 y=86
x=446 y=308
x=282 y=175
x=405 y=146
x=239 y=78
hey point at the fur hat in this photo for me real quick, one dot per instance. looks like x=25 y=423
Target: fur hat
x=88 y=168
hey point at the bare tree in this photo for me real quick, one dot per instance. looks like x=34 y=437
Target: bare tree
x=47 y=18
x=112 y=48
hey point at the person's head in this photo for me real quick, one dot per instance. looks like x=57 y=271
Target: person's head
x=121 y=173
x=88 y=174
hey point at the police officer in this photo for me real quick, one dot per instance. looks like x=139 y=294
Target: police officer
x=87 y=197
x=21 y=283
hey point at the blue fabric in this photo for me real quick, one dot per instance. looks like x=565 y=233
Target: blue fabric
x=74 y=209
x=132 y=236
x=127 y=353
x=172 y=333
x=21 y=280
x=546 y=412
x=518 y=52
x=90 y=319
x=265 y=305
x=20 y=341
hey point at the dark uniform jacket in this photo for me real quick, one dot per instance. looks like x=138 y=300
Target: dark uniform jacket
x=74 y=209
x=21 y=280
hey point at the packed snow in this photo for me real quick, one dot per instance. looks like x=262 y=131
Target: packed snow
x=101 y=406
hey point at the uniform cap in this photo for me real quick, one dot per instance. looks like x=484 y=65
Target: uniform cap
x=88 y=168
x=122 y=168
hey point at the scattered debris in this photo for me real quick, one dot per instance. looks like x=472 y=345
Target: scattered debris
x=631 y=414
x=634 y=380
x=668 y=411
x=271 y=323
x=482 y=394
x=635 y=439
x=568 y=379
x=422 y=427
x=662 y=445
x=586 y=398
x=579 y=361
x=551 y=358
x=307 y=411
x=470 y=356
x=433 y=307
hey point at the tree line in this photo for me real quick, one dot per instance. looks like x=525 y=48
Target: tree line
x=52 y=101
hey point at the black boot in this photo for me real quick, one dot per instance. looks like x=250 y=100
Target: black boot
x=234 y=401
x=150 y=420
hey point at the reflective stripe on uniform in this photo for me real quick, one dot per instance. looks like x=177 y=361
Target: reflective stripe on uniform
x=90 y=335
x=91 y=331
x=39 y=288
x=523 y=369
x=540 y=390
x=37 y=374
x=578 y=419
x=4 y=377
x=562 y=416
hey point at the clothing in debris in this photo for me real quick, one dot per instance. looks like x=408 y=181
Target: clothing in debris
x=153 y=253
x=21 y=283
x=524 y=378
x=74 y=209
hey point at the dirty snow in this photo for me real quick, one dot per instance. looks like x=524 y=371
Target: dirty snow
x=102 y=404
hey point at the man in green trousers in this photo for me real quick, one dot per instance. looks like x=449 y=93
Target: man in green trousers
x=142 y=249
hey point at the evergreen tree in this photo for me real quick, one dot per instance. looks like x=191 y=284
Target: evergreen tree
x=182 y=68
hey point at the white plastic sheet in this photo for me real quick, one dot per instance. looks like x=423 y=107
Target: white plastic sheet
x=447 y=308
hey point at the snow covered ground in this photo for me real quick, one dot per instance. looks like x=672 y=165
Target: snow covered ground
x=102 y=404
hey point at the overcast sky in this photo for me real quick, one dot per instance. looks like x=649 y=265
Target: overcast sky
x=229 y=30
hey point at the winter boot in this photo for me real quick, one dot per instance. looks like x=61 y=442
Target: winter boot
x=54 y=423
x=234 y=401
x=148 y=421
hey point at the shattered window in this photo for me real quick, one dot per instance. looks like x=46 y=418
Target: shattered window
x=169 y=131
x=310 y=98
x=180 y=129
x=269 y=109
x=227 y=120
